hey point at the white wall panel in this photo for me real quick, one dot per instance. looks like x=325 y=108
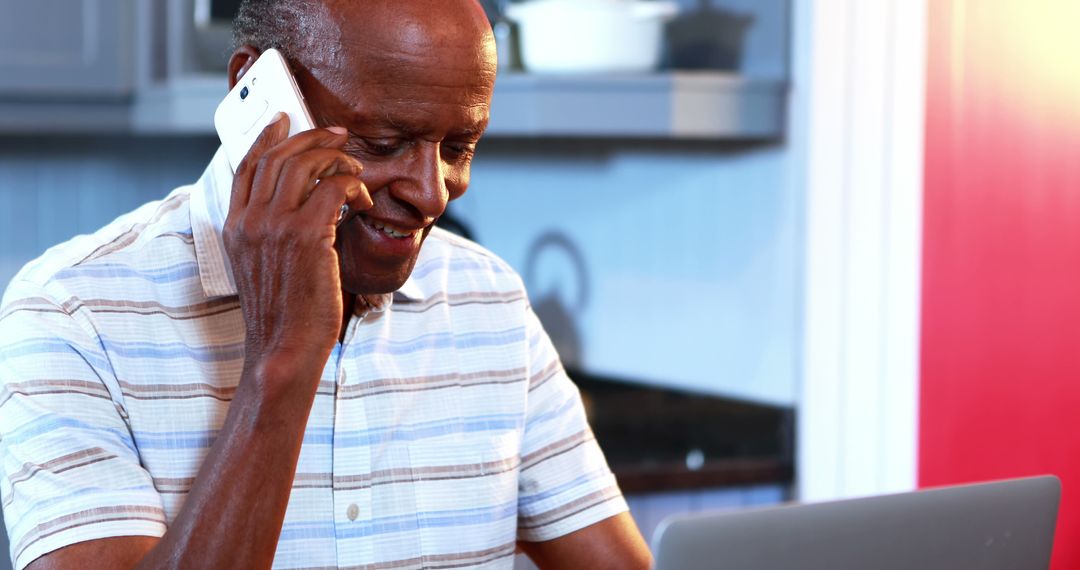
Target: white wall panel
x=858 y=416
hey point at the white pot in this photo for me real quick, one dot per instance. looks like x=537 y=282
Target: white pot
x=590 y=36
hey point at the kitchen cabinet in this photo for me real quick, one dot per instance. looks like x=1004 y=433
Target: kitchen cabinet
x=87 y=54
x=662 y=439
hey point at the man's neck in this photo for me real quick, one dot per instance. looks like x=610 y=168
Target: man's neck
x=348 y=304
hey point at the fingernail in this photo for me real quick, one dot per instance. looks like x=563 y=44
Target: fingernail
x=337 y=130
x=277 y=117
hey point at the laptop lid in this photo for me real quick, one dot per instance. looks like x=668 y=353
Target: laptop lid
x=1007 y=525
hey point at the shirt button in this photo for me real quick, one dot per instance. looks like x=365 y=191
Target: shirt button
x=341 y=378
x=352 y=512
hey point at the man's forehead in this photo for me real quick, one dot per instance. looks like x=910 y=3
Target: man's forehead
x=407 y=78
x=375 y=27
x=400 y=68
x=387 y=39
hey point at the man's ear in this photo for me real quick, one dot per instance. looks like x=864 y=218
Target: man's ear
x=241 y=60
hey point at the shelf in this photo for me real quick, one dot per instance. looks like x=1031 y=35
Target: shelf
x=681 y=105
x=706 y=106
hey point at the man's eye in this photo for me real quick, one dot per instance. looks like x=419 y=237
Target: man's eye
x=383 y=148
x=377 y=147
x=461 y=151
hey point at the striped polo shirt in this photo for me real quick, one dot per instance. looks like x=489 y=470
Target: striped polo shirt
x=443 y=431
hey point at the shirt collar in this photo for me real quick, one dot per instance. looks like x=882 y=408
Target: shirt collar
x=210 y=206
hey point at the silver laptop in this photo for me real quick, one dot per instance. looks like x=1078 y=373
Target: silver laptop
x=1006 y=525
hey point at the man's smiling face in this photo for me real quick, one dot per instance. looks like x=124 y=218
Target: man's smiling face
x=412 y=81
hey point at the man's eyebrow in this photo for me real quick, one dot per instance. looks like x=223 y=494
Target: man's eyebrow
x=473 y=130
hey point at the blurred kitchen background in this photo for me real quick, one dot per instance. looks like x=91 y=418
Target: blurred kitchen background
x=749 y=240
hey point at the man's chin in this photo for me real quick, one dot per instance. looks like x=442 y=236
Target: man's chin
x=369 y=285
x=366 y=272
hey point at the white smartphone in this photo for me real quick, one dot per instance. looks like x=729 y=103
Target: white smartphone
x=267 y=88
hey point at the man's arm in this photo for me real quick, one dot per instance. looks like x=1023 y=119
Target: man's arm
x=233 y=515
x=613 y=543
x=280 y=241
x=571 y=513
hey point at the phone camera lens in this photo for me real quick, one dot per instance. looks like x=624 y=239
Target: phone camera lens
x=243 y=93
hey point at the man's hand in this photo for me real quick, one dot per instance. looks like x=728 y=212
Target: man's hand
x=280 y=236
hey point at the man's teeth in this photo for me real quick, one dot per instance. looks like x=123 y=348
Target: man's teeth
x=389 y=230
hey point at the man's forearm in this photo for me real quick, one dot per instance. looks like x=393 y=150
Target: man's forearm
x=288 y=281
x=233 y=514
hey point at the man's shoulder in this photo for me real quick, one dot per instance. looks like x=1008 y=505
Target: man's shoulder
x=150 y=243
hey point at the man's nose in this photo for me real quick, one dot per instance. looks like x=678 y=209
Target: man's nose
x=426 y=190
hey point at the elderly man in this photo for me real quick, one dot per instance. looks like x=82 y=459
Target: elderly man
x=226 y=379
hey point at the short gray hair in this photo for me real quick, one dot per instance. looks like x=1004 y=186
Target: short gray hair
x=266 y=24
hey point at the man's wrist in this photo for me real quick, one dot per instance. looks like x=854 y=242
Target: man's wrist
x=284 y=364
x=280 y=379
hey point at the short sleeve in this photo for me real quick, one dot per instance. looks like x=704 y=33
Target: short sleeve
x=565 y=483
x=70 y=469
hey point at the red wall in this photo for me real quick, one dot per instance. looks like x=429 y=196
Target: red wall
x=1000 y=383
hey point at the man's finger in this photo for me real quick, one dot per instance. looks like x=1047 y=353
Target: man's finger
x=299 y=174
x=325 y=202
x=274 y=132
x=268 y=171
